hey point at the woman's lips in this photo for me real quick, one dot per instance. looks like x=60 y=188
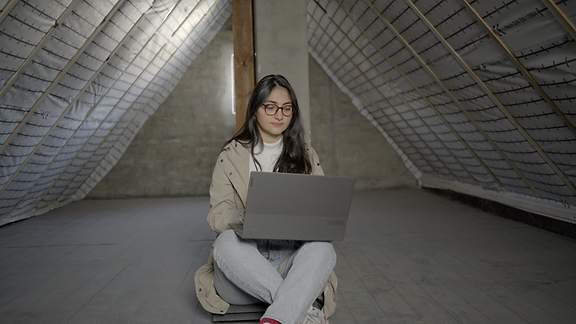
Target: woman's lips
x=277 y=124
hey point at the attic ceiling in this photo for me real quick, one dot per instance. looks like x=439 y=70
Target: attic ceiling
x=78 y=80
x=475 y=96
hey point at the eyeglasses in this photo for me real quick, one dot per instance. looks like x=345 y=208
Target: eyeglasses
x=271 y=109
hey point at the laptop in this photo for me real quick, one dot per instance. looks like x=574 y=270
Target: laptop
x=291 y=206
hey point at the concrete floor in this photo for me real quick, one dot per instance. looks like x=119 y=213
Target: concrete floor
x=409 y=257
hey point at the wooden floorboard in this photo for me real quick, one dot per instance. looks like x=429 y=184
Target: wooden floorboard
x=409 y=257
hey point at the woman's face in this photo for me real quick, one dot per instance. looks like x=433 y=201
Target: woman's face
x=271 y=127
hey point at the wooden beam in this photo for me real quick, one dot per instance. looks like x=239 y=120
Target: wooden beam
x=244 y=81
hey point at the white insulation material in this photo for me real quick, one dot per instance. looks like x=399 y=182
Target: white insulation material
x=476 y=96
x=78 y=78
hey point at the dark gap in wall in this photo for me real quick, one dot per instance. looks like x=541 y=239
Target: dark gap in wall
x=495 y=208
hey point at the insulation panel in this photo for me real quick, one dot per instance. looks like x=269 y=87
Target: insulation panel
x=78 y=79
x=475 y=96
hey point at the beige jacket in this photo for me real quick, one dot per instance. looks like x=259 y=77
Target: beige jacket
x=227 y=206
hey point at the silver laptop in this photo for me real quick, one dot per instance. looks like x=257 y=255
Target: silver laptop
x=290 y=206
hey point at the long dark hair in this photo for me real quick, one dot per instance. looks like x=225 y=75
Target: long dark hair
x=294 y=158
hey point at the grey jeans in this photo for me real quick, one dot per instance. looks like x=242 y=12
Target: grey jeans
x=287 y=275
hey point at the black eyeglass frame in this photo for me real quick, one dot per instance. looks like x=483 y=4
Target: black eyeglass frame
x=276 y=108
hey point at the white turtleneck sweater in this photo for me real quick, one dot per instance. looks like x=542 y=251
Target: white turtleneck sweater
x=267 y=155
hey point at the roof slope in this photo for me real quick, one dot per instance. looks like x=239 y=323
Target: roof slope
x=476 y=96
x=77 y=81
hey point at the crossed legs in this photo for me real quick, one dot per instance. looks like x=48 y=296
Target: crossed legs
x=291 y=290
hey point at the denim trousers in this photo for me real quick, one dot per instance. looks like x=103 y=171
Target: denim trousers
x=287 y=275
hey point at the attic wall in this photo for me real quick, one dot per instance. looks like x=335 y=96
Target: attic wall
x=78 y=80
x=475 y=96
x=346 y=142
x=175 y=151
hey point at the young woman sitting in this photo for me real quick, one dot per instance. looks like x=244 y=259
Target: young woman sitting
x=294 y=278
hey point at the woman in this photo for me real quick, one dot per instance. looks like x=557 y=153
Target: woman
x=294 y=278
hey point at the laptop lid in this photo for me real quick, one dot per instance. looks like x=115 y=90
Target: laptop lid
x=290 y=206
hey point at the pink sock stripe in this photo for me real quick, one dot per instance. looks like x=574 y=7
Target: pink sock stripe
x=266 y=320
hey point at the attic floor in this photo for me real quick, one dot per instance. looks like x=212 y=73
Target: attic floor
x=409 y=257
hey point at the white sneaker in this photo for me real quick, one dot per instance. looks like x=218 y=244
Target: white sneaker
x=315 y=316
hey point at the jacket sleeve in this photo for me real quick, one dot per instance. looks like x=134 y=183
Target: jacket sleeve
x=315 y=161
x=223 y=211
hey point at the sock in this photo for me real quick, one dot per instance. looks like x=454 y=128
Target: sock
x=266 y=320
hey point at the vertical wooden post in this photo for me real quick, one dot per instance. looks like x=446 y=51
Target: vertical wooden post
x=243 y=38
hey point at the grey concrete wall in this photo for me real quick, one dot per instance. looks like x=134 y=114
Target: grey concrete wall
x=281 y=47
x=174 y=152
x=346 y=142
